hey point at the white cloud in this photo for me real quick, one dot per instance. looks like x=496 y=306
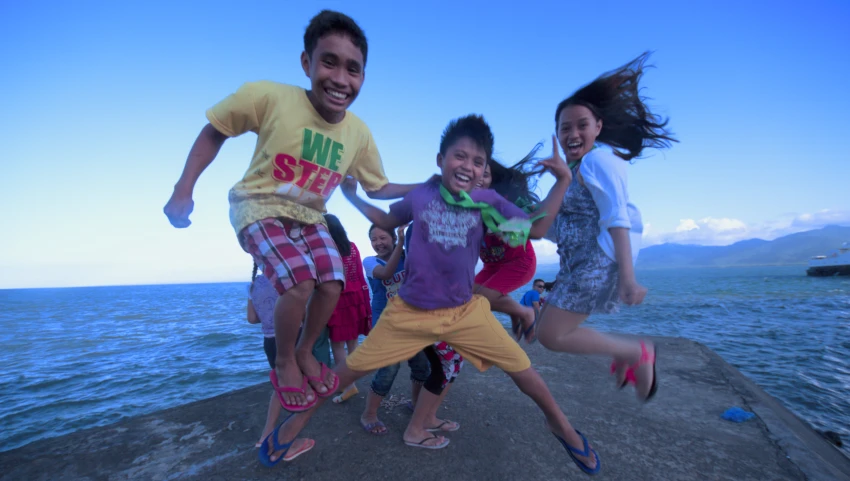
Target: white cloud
x=725 y=231
x=686 y=225
x=820 y=219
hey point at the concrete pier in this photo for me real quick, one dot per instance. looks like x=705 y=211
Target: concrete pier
x=678 y=436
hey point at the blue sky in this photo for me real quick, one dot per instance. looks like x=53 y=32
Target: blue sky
x=102 y=100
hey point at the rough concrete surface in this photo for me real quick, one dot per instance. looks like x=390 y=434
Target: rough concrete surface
x=678 y=436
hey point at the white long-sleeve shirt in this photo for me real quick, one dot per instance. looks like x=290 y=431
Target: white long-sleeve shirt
x=606 y=178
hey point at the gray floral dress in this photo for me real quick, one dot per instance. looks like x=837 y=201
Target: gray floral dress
x=587 y=281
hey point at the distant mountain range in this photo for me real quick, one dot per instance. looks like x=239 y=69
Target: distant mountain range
x=788 y=250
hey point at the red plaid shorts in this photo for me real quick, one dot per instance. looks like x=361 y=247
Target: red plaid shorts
x=290 y=252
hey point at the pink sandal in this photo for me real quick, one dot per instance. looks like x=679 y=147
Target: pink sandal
x=321 y=380
x=293 y=408
x=645 y=357
x=630 y=374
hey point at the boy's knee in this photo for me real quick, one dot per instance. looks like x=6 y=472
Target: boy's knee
x=301 y=291
x=330 y=288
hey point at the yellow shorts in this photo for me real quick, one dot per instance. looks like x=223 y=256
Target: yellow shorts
x=471 y=329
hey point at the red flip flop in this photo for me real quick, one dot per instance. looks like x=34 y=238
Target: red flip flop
x=321 y=380
x=293 y=408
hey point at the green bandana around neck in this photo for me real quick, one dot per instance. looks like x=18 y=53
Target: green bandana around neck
x=514 y=231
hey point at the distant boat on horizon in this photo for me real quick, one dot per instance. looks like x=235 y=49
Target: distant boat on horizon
x=834 y=263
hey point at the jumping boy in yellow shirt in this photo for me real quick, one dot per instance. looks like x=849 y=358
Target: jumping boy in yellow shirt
x=307 y=142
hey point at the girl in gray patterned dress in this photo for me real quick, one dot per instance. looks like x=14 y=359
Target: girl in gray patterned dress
x=597 y=230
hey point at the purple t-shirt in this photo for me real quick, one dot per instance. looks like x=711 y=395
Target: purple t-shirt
x=444 y=245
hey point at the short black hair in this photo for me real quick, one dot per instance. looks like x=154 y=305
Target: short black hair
x=538 y=280
x=329 y=22
x=472 y=126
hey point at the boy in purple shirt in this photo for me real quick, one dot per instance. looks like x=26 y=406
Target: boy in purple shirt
x=436 y=302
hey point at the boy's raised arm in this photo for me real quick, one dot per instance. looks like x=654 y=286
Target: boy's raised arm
x=375 y=215
x=203 y=152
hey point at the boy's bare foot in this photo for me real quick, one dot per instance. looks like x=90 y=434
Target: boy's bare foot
x=290 y=376
x=312 y=368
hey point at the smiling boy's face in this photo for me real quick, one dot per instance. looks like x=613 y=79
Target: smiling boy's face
x=336 y=70
x=463 y=165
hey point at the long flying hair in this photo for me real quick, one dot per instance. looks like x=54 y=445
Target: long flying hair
x=517 y=182
x=627 y=123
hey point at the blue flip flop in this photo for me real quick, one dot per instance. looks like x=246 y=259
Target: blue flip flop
x=585 y=452
x=263 y=453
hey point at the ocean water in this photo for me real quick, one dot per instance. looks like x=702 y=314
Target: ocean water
x=82 y=357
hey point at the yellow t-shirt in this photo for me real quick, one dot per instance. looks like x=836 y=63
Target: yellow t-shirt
x=300 y=158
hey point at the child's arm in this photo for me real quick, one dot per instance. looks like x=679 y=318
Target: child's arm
x=375 y=215
x=387 y=271
x=552 y=203
x=391 y=191
x=203 y=152
x=605 y=177
x=253 y=318
x=631 y=293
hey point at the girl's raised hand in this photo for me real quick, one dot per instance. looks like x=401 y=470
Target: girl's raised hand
x=556 y=163
x=400 y=233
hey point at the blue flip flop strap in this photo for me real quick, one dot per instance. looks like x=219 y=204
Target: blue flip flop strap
x=285 y=447
x=586 y=447
x=573 y=452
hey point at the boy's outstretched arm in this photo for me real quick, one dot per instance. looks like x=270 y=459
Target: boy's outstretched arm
x=203 y=152
x=391 y=191
x=375 y=215
x=552 y=203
